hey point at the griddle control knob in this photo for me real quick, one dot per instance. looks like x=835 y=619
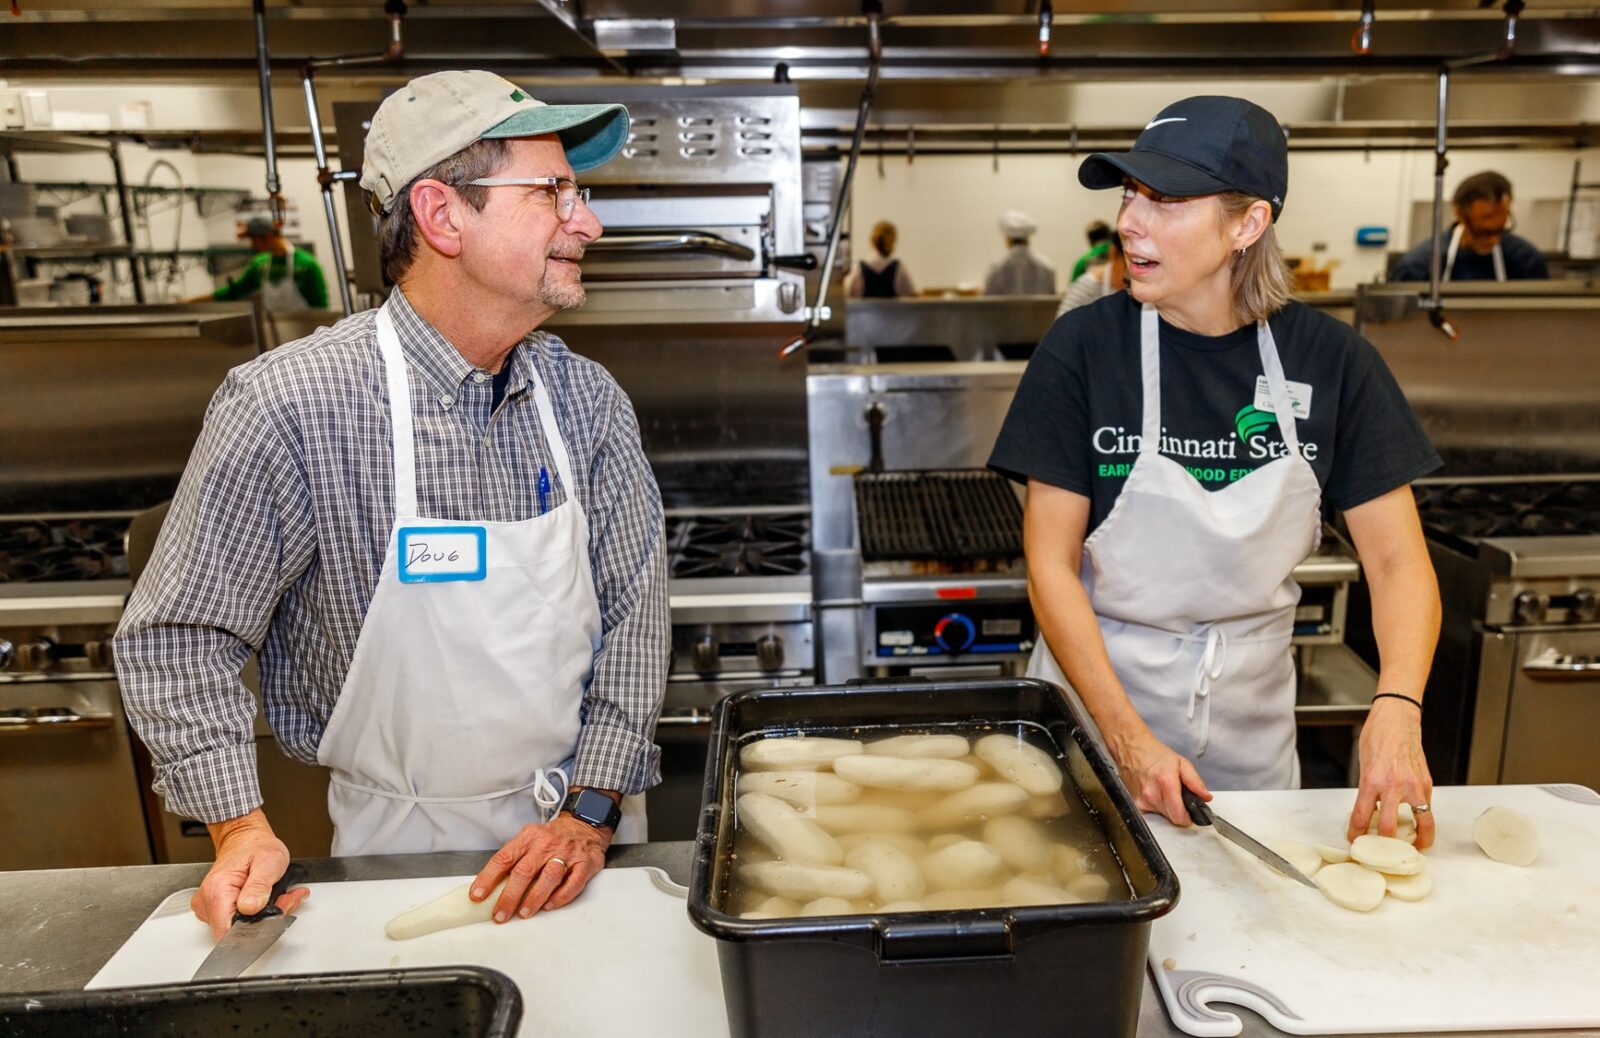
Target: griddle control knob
x=1585 y=606
x=7 y=650
x=36 y=655
x=769 y=652
x=1530 y=607
x=955 y=632
x=705 y=654
x=98 y=653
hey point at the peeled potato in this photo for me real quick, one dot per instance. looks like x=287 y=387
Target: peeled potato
x=1302 y=856
x=800 y=788
x=777 y=906
x=829 y=906
x=943 y=840
x=1048 y=805
x=1067 y=863
x=1035 y=889
x=1506 y=836
x=796 y=753
x=906 y=773
x=448 y=910
x=896 y=876
x=840 y=819
x=1409 y=888
x=1332 y=855
x=1023 y=763
x=957 y=900
x=801 y=882
x=1348 y=885
x=786 y=832
x=905 y=799
x=978 y=802
x=1019 y=842
x=1091 y=886
x=1405 y=823
x=904 y=906
x=904 y=843
x=946 y=747
x=1387 y=854
x=963 y=866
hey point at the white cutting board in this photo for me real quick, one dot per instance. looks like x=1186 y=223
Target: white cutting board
x=623 y=959
x=1493 y=947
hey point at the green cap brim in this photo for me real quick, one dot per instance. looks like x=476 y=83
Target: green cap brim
x=591 y=134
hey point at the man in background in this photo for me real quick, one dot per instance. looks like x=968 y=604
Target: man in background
x=286 y=278
x=1479 y=246
x=1021 y=273
x=1099 y=235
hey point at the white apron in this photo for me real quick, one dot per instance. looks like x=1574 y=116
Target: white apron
x=458 y=720
x=1194 y=596
x=1455 y=247
x=283 y=297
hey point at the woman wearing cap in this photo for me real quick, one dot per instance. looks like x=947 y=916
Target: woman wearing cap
x=1179 y=442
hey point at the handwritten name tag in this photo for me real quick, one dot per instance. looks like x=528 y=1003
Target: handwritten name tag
x=439 y=553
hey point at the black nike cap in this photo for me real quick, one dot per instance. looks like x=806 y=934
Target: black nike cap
x=1202 y=146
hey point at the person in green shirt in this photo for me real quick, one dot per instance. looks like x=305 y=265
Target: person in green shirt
x=1099 y=236
x=287 y=278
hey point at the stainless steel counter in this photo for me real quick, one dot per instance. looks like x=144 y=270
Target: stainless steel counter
x=58 y=927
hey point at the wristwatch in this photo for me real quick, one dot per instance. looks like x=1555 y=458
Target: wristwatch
x=593 y=807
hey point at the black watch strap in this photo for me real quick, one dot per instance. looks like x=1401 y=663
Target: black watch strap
x=593 y=808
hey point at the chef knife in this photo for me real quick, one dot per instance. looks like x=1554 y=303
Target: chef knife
x=1202 y=814
x=251 y=935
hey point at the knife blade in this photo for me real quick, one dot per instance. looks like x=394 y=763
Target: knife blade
x=1202 y=814
x=251 y=935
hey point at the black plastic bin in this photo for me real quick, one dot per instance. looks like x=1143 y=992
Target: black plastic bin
x=434 y=1001
x=1049 y=970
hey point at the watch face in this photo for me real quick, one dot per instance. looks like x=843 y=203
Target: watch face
x=593 y=807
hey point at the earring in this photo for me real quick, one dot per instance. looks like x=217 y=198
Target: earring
x=1239 y=253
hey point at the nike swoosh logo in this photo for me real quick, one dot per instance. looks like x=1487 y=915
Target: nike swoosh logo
x=1169 y=119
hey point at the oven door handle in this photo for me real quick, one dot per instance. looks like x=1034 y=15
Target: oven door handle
x=50 y=719
x=669 y=241
x=1560 y=666
x=684 y=721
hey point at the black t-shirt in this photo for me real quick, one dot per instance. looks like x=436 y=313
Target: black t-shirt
x=1076 y=419
x=1523 y=260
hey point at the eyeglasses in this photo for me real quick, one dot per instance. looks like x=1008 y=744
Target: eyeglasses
x=567 y=192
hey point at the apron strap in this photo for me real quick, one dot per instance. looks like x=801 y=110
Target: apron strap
x=1277 y=386
x=1212 y=661
x=405 y=451
x=549 y=786
x=1150 y=365
x=552 y=434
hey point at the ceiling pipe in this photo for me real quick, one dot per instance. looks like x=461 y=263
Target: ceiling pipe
x=874 y=12
x=264 y=75
x=1433 y=304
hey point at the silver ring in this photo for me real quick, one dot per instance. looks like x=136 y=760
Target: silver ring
x=558 y=861
x=1420 y=809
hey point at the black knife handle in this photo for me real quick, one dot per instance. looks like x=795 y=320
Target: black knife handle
x=1198 y=811
x=293 y=876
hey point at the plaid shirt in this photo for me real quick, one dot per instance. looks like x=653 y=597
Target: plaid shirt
x=278 y=531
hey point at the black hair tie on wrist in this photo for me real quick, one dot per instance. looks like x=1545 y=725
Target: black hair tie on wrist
x=1396 y=695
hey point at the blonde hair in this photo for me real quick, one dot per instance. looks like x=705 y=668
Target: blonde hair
x=883 y=236
x=1261 y=280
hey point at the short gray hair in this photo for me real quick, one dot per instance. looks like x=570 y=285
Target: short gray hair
x=397 y=228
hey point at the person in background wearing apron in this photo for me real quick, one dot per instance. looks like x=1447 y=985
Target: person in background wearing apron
x=436 y=525
x=1101 y=279
x=1023 y=272
x=285 y=278
x=1179 y=442
x=884 y=276
x=1480 y=247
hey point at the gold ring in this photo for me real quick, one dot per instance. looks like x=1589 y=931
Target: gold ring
x=1421 y=809
x=557 y=861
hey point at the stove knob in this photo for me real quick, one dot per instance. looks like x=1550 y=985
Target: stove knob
x=769 y=652
x=1585 y=606
x=7 y=650
x=98 y=653
x=705 y=654
x=955 y=633
x=36 y=655
x=1530 y=607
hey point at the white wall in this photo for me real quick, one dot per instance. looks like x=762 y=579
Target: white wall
x=946 y=207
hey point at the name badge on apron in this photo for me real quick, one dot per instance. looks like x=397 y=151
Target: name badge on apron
x=431 y=554
x=1299 y=397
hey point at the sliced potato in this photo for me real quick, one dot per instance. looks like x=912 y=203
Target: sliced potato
x=944 y=747
x=945 y=776
x=1409 y=888
x=1302 y=856
x=1348 y=885
x=1387 y=854
x=1507 y=836
x=1023 y=763
x=1332 y=855
x=796 y=753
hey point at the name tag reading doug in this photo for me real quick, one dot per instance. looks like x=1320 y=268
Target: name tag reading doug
x=439 y=553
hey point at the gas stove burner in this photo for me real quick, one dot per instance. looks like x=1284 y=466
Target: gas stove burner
x=37 y=550
x=739 y=545
x=1531 y=509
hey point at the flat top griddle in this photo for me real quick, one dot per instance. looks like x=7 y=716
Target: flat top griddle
x=942 y=515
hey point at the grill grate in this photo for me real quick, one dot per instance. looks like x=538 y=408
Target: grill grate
x=951 y=515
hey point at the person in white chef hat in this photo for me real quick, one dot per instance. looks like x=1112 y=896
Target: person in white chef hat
x=1022 y=272
x=1181 y=443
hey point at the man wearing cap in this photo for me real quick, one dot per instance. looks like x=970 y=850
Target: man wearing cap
x=285 y=278
x=1180 y=442
x=436 y=526
x=1021 y=273
x=1480 y=246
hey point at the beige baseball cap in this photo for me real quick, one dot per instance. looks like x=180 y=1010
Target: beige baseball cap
x=433 y=117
